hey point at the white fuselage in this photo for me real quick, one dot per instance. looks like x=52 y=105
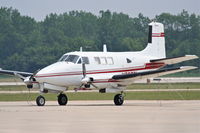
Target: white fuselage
x=101 y=67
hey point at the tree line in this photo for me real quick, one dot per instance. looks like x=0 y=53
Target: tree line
x=27 y=45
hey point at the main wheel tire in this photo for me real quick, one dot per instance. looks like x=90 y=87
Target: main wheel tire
x=118 y=99
x=40 y=101
x=62 y=99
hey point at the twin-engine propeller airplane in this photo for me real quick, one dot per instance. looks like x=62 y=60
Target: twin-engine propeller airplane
x=106 y=71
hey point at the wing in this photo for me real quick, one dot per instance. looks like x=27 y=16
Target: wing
x=130 y=78
x=175 y=60
x=9 y=72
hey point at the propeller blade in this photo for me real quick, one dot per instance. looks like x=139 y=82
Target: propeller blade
x=84 y=70
x=84 y=76
x=36 y=72
x=94 y=86
x=20 y=76
x=32 y=76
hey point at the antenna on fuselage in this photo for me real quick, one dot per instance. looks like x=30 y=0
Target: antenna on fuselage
x=104 y=48
x=81 y=49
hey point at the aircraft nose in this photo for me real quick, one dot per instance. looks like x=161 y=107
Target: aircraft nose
x=49 y=70
x=44 y=74
x=45 y=71
x=39 y=73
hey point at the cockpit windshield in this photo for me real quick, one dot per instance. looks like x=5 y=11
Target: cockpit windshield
x=72 y=58
x=69 y=58
x=63 y=58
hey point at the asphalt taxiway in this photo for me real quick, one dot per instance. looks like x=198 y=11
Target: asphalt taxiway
x=135 y=116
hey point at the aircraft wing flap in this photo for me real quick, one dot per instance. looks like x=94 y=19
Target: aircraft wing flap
x=9 y=72
x=175 y=59
x=152 y=74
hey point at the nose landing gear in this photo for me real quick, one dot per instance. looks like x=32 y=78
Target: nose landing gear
x=40 y=101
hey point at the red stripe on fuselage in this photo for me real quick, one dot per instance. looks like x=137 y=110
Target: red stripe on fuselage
x=105 y=81
x=148 y=66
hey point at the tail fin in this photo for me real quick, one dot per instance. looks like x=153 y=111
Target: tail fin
x=156 y=41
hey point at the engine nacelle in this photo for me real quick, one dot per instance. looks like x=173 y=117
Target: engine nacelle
x=27 y=80
x=87 y=80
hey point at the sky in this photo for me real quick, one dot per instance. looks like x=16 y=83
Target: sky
x=38 y=9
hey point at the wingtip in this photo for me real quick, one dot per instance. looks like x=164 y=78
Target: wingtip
x=192 y=56
x=188 y=67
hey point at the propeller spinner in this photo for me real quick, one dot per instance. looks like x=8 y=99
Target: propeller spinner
x=86 y=81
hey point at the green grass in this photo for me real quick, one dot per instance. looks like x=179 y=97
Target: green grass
x=14 y=88
x=165 y=86
x=141 y=95
x=183 y=95
x=134 y=86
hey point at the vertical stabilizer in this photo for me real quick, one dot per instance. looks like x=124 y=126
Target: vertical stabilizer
x=156 y=41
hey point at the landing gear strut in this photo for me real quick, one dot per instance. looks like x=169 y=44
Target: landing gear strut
x=40 y=101
x=119 y=99
x=62 y=99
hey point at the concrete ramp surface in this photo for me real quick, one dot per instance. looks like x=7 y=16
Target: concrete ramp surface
x=101 y=117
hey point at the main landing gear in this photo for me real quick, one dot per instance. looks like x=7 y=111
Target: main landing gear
x=62 y=100
x=119 y=99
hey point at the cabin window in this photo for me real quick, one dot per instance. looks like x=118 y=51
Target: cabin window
x=63 y=58
x=72 y=58
x=103 y=60
x=110 y=61
x=85 y=60
x=128 y=60
x=97 y=60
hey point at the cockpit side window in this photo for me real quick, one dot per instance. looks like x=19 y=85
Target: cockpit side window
x=79 y=61
x=72 y=58
x=63 y=58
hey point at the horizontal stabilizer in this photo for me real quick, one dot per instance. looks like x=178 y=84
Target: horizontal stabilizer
x=152 y=74
x=175 y=59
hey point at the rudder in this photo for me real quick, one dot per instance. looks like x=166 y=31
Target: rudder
x=156 y=41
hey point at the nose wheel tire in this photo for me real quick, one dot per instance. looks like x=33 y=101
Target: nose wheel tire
x=40 y=101
x=62 y=99
x=119 y=99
